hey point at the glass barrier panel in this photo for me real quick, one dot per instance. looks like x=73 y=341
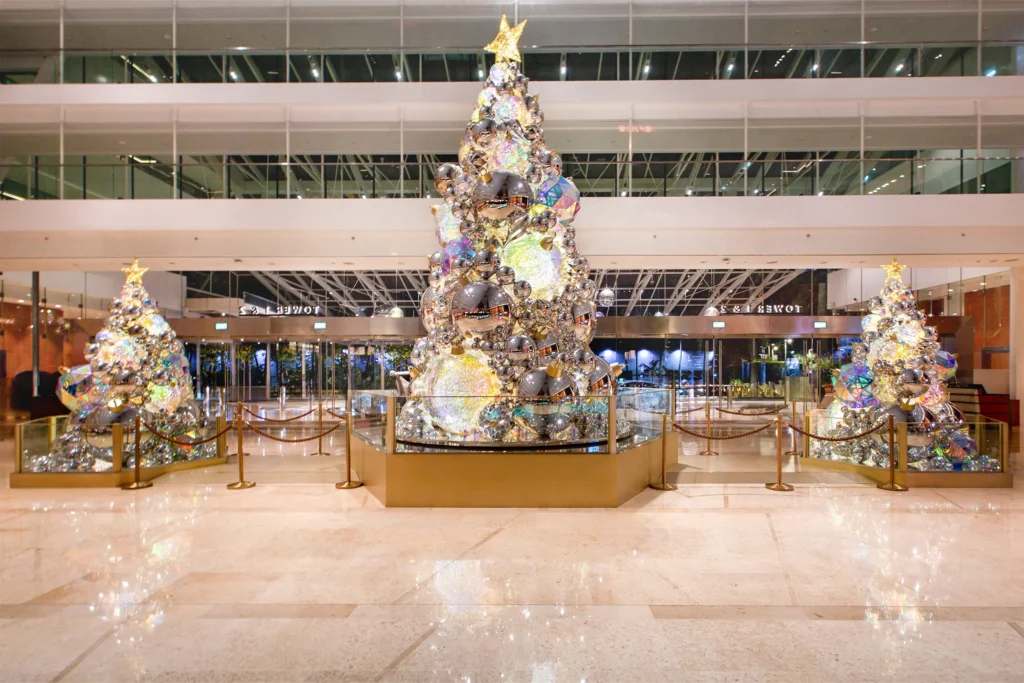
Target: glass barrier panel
x=369 y=412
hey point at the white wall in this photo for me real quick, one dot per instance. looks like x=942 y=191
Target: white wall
x=856 y=285
x=167 y=289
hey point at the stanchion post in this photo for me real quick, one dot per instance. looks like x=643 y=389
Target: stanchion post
x=613 y=436
x=894 y=456
x=320 y=429
x=240 y=408
x=707 y=425
x=138 y=483
x=240 y=431
x=777 y=485
x=349 y=425
x=730 y=397
x=794 y=450
x=663 y=485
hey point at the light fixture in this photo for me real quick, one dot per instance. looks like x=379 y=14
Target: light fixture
x=622 y=194
x=729 y=68
x=234 y=75
x=991 y=72
x=398 y=75
x=396 y=312
x=316 y=72
x=689 y=191
x=479 y=73
x=563 y=69
x=899 y=68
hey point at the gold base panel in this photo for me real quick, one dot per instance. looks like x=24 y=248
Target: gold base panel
x=531 y=479
x=924 y=480
x=74 y=480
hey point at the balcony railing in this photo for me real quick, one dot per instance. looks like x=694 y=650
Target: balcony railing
x=565 y=63
x=307 y=177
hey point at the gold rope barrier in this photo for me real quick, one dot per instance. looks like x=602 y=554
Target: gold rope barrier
x=248 y=425
x=711 y=437
x=777 y=485
x=707 y=419
x=283 y=419
x=774 y=411
x=664 y=485
x=138 y=483
x=240 y=430
x=891 y=485
x=348 y=483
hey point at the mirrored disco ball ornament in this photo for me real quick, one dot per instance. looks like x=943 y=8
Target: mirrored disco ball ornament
x=605 y=297
x=543 y=268
x=510 y=108
x=459 y=387
x=511 y=155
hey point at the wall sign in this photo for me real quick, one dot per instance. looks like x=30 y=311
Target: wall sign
x=250 y=309
x=762 y=309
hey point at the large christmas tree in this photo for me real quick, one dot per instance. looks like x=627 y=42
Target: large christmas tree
x=899 y=368
x=136 y=367
x=509 y=310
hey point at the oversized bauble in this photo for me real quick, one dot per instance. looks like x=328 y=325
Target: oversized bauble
x=511 y=109
x=436 y=260
x=584 y=359
x=485 y=261
x=481 y=307
x=547 y=346
x=539 y=386
x=561 y=196
x=522 y=289
x=520 y=347
x=458 y=389
x=535 y=261
x=484 y=133
x=602 y=379
x=505 y=275
x=583 y=321
x=428 y=304
x=501 y=195
x=445 y=175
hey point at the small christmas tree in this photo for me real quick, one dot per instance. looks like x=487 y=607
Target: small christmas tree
x=510 y=308
x=136 y=366
x=899 y=368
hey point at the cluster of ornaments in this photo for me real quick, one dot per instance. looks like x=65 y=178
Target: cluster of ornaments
x=136 y=366
x=510 y=308
x=898 y=367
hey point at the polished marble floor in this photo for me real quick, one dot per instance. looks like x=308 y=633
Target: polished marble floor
x=719 y=581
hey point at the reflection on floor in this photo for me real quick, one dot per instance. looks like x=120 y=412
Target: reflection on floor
x=722 y=581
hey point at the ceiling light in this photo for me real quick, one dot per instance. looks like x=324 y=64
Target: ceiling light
x=479 y=73
x=398 y=75
x=647 y=68
x=814 y=67
x=623 y=193
x=364 y=196
x=899 y=68
x=729 y=68
x=563 y=69
x=991 y=72
x=234 y=75
x=316 y=73
x=689 y=191
x=938 y=56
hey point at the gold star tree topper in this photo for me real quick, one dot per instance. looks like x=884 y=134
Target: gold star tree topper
x=894 y=269
x=134 y=273
x=504 y=44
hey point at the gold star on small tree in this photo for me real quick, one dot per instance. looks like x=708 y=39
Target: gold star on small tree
x=134 y=273
x=894 y=269
x=504 y=44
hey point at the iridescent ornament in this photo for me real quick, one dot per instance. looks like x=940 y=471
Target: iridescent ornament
x=510 y=108
x=79 y=390
x=459 y=387
x=561 y=196
x=511 y=155
x=946 y=365
x=447 y=223
x=542 y=267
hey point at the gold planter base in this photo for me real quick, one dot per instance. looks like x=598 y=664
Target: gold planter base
x=527 y=479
